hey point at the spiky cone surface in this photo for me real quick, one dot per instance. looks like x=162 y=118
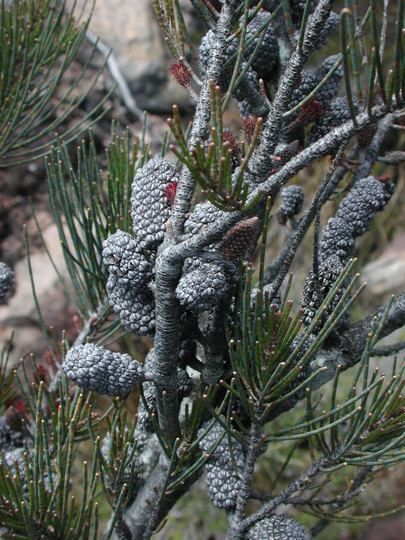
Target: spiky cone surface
x=202 y=215
x=287 y=152
x=145 y=423
x=336 y=239
x=231 y=48
x=6 y=279
x=366 y=197
x=133 y=468
x=306 y=84
x=95 y=368
x=292 y=199
x=277 y=528
x=268 y=291
x=222 y=479
x=223 y=485
x=239 y=239
x=16 y=454
x=240 y=94
x=214 y=434
x=184 y=383
x=187 y=352
x=305 y=371
x=331 y=88
x=150 y=205
x=337 y=114
x=267 y=58
x=136 y=310
x=202 y=287
x=315 y=291
x=129 y=271
x=125 y=261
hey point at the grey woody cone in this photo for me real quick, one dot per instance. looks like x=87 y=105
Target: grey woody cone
x=337 y=114
x=125 y=261
x=306 y=84
x=277 y=528
x=150 y=204
x=95 y=368
x=6 y=279
x=331 y=88
x=222 y=479
x=134 y=466
x=145 y=423
x=9 y=437
x=202 y=215
x=128 y=295
x=292 y=199
x=223 y=485
x=136 y=310
x=205 y=54
x=202 y=287
x=366 y=197
x=337 y=239
x=267 y=58
x=314 y=292
x=214 y=434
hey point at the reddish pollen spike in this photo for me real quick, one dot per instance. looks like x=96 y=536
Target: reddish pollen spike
x=170 y=192
x=249 y=125
x=384 y=178
x=41 y=375
x=311 y=109
x=233 y=142
x=180 y=73
x=20 y=406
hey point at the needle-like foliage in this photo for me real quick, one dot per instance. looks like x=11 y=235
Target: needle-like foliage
x=242 y=372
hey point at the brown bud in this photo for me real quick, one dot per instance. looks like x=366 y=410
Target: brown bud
x=239 y=238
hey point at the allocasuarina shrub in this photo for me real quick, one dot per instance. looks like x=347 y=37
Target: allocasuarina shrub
x=231 y=378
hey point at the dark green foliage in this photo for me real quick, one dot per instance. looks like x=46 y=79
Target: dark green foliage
x=88 y=224
x=38 y=41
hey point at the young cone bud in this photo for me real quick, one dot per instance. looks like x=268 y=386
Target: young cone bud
x=239 y=238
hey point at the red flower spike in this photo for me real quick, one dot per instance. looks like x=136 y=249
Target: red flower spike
x=238 y=240
x=308 y=112
x=249 y=126
x=170 y=192
x=20 y=406
x=311 y=109
x=384 y=178
x=41 y=375
x=230 y=138
x=180 y=73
